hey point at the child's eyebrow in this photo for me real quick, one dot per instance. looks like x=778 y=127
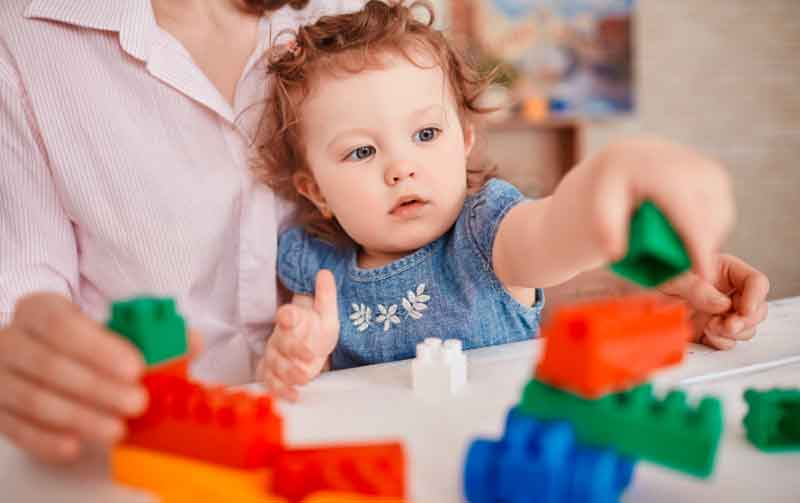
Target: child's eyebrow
x=426 y=110
x=347 y=132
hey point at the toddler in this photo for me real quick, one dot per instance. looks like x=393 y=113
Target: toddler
x=402 y=231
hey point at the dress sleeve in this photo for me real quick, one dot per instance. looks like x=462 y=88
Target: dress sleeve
x=300 y=257
x=485 y=210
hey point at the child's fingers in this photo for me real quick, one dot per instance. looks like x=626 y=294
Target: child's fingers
x=738 y=327
x=324 y=330
x=276 y=387
x=700 y=294
x=325 y=299
x=751 y=285
x=701 y=239
x=718 y=342
x=287 y=317
x=288 y=370
x=744 y=335
x=289 y=337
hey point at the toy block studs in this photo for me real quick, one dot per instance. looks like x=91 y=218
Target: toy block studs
x=153 y=325
x=637 y=424
x=439 y=369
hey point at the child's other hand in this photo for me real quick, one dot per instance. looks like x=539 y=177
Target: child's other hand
x=693 y=192
x=305 y=334
x=729 y=306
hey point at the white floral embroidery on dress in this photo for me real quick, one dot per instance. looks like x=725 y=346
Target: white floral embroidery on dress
x=387 y=316
x=362 y=316
x=414 y=303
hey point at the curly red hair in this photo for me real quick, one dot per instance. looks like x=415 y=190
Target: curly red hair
x=352 y=43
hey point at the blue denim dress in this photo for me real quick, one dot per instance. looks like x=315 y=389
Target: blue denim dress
x=445 y=289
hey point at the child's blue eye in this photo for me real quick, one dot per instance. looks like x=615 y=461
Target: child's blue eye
x=361 y=153
x=427 y=134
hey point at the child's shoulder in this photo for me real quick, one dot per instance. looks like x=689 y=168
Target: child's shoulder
x=301 y=255
x=494 y=192
x=484 y=210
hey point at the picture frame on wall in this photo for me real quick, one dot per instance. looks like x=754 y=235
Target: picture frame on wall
x=563 y=58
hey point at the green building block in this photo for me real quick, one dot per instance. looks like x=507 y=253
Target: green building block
x=655 y=251
x=636 y=424
x=153 y=325
x=773 y=419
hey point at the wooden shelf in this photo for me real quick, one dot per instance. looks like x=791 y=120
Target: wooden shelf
x=516 y=124
x=534 y=156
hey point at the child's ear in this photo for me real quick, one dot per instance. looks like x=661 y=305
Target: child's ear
x=469 y=137
x=305 y=184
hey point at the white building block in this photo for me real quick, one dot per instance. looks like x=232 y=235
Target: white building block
x=439 y=368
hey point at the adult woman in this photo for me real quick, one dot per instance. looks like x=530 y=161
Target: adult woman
x=124 y=151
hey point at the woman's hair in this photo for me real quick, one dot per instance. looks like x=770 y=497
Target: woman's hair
x=261 y=6
x=351 y=43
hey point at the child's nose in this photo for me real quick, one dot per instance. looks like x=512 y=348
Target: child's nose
x=399 y=171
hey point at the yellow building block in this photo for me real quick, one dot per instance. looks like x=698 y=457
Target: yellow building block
x=177 y=479
x=340 y=497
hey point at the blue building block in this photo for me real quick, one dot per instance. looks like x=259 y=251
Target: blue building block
x=540 y=462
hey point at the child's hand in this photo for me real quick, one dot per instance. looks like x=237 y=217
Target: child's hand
x=305 y=334
x=593 y=206
x=694 y=192
x=728 y=306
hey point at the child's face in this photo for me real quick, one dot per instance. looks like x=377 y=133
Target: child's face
x=388 y=155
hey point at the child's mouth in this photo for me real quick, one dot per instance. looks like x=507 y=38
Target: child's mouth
x=408 y=208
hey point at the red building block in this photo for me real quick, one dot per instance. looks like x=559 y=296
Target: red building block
x=215 y=425
x=592 y=349
x=374 y=470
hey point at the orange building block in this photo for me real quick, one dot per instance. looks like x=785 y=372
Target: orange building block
x=339 y=497
x=592 y=349
x=235 y=429
x=176 y=479
x=369 y=470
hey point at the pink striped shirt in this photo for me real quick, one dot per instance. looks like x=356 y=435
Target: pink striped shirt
x=123 y=171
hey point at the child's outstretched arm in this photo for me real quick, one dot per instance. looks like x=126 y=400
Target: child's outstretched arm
x=306 y=332
x=584 y=224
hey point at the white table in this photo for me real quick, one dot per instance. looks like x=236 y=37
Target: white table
x=377 y=403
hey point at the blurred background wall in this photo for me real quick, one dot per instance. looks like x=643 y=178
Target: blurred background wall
x=721 y=76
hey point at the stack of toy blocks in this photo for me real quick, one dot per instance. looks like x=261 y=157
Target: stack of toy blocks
x=209 y=444
x=589 y=414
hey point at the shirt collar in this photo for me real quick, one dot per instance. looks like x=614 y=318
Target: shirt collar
x=132 y=19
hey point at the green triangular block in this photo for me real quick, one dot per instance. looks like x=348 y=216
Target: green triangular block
x=655 y=251
x=153 y=325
